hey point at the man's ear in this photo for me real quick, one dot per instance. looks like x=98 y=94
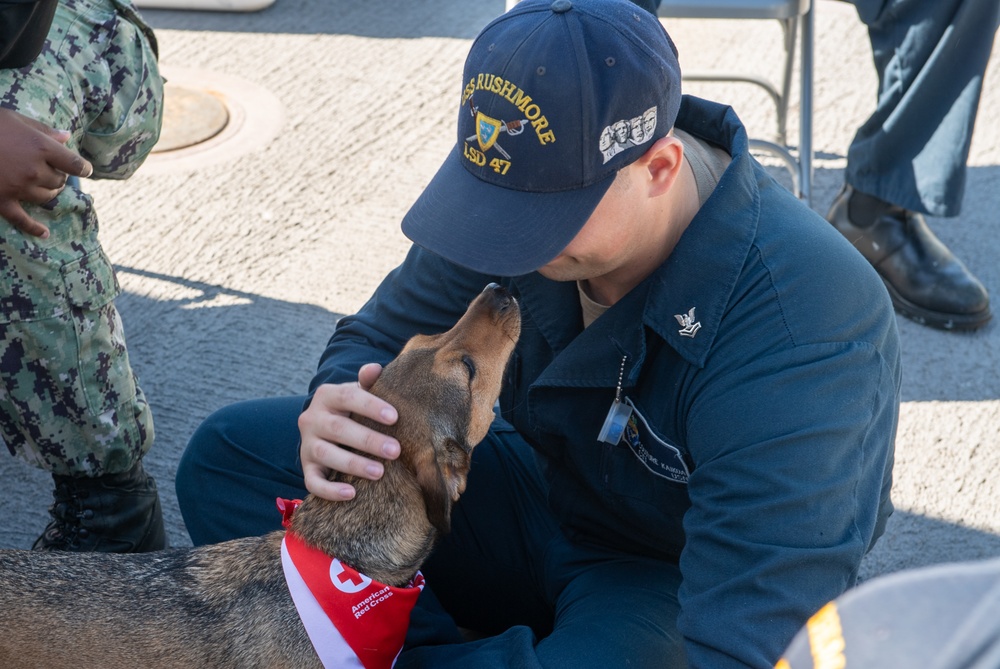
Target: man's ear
x=663 y=163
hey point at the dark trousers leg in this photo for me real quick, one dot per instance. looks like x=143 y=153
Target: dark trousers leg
x=238 y=461
x=931 y=58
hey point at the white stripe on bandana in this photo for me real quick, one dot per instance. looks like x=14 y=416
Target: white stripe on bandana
x=352 y=621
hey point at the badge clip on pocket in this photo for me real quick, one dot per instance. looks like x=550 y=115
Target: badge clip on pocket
x=618 y=415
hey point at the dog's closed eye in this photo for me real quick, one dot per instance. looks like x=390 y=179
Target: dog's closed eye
x=469 y=365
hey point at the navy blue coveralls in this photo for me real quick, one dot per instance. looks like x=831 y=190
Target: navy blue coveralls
x=762 y=360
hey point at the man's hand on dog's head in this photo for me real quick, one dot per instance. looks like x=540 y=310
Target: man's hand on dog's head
x=326 y=426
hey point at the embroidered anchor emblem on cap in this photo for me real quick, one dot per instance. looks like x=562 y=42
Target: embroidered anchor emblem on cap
x=689 y=326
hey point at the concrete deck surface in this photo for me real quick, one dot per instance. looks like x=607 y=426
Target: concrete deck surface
x=237 y=260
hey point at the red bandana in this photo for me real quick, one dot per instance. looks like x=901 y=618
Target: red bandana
x=352 y=620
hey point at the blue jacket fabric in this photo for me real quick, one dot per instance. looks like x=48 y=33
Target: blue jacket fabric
x=761 y=453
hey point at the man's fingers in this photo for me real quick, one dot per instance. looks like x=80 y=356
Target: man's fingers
x=57 y=155
x=368 y=374
x=321 y=457
x=47 y=180
x=15 y=214
x=345 y=430
x=347 y=398
x=334 y=441
x=317 y=483
x=69 y=162
x=335 y=426
x=330 y=455
x=40 y=194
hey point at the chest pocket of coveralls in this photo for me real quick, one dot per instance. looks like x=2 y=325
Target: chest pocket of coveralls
x=646 y=475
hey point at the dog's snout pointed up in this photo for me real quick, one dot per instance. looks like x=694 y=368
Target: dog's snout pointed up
x=503 y=300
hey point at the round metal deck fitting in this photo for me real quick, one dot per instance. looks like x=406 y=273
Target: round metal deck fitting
x=211 y=118
x=190 y=116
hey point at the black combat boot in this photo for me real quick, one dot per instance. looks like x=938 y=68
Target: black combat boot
x=114 y=513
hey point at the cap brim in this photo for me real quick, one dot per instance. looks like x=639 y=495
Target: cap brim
x=496 y=230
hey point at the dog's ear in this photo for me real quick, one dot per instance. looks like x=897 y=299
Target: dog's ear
x=442 y=481
x=436 y=497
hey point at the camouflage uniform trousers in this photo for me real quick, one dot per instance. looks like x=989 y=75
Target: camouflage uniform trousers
x=69 y=400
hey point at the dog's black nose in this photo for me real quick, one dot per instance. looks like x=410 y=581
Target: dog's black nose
x=501 y=296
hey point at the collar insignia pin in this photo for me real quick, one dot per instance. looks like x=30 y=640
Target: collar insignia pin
x=689 y=326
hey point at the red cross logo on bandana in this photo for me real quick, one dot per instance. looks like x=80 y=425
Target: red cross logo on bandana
x=348 y=582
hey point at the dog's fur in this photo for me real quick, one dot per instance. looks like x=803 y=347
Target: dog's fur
x=227 y=605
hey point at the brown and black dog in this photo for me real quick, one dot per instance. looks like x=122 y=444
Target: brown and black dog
x=227 y=605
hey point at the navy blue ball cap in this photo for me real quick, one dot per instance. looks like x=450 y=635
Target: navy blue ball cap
x=556 y=98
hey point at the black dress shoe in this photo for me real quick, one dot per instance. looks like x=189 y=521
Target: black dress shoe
x=926 y=282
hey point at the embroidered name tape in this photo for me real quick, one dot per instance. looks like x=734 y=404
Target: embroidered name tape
x=658 y=455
